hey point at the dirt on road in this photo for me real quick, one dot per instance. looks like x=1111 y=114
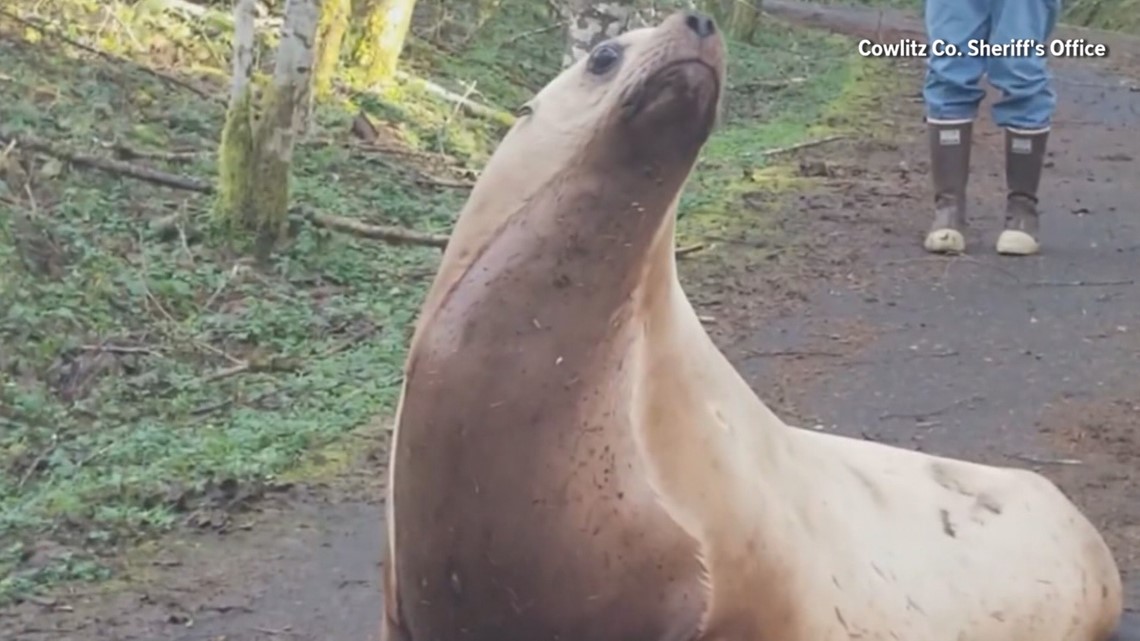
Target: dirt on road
x=1028 y=362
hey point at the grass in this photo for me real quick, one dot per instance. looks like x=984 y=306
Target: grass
x=121 y=411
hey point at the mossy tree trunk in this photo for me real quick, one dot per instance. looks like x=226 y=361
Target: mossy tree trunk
x=257 y=152
x=384 y=31
x=745 y=19
x=235 y=157
x=331 y=31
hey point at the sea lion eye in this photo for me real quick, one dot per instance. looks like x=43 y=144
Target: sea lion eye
x=603 y=58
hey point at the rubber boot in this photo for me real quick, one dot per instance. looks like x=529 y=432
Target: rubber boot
x=950 y=144
x=1024 y=158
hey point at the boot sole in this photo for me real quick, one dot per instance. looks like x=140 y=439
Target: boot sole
x=945 y=241
x=1017 y=243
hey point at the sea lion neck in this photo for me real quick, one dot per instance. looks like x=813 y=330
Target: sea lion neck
x=574 y=250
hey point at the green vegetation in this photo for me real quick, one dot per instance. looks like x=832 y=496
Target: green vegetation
x=149 y=374
x=1113 y=15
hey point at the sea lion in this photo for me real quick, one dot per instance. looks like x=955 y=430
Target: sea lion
x=574 y=459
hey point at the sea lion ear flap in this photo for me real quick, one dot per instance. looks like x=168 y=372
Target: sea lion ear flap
x=524 y=109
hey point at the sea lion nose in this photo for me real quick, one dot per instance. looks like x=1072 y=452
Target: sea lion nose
x=702 y=25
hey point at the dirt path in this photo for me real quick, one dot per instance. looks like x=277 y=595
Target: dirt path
x=1026 y=362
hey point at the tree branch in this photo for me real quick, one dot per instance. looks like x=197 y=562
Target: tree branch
x=392 y=235
x=106 y=164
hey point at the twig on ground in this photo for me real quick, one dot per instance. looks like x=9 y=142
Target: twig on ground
x=802 y=145
x=1044 y=461
x=121 y=349
x=691 y=249
x=221 y=287
x=471 y=107
x=769 y=84
x=1081 y=283
x=111 y=166
x=40 y=458
x=252 y=365
x=791 y=352
x=434 y=181
x=226 y=372
x=921 y=416
x=44 y=29
x=393 y=235
x=467 y=91
x=533 y=32
x=355 y=338
x=127 y=152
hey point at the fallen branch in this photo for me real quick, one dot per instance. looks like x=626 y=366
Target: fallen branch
x=252 y=366
x=434 y=181
x=691 y=249
x=51 y=33
x=533 y=32
x=35 y=464
x=110 y=166
x=127 y=152
x=469 y=106
x=393 y=235
x=120 y=349
x=774 y=85
x=802 y=145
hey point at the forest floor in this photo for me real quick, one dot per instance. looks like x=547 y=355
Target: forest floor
x=148 y=497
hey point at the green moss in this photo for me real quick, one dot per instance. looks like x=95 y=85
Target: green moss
x=235 y=156
x=381 y=40
x=330 y=37
x=273 y=154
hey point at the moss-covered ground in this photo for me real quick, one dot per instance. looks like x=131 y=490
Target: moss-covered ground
x=148 y=374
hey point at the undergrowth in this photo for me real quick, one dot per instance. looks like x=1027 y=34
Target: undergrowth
x=148 y=376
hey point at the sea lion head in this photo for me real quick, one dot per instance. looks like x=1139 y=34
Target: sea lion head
x=645 y=93
x=625 y=122
x=648 y=91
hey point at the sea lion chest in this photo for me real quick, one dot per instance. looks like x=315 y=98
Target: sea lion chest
x=515 y=453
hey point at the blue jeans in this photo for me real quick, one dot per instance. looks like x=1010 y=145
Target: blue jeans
x=952 y=90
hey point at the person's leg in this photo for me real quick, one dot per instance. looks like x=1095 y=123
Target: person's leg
x=1025 y=111
x=952 y=92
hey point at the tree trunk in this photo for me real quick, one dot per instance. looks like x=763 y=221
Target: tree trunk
x=589 y=22
x=276 y=130
x=330 y=38
x=745 y=19
x=386 y=25
x=255 y=159
x=235 y=156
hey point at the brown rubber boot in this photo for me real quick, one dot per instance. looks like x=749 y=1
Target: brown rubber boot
x=1024 y=158
x=950 y=144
